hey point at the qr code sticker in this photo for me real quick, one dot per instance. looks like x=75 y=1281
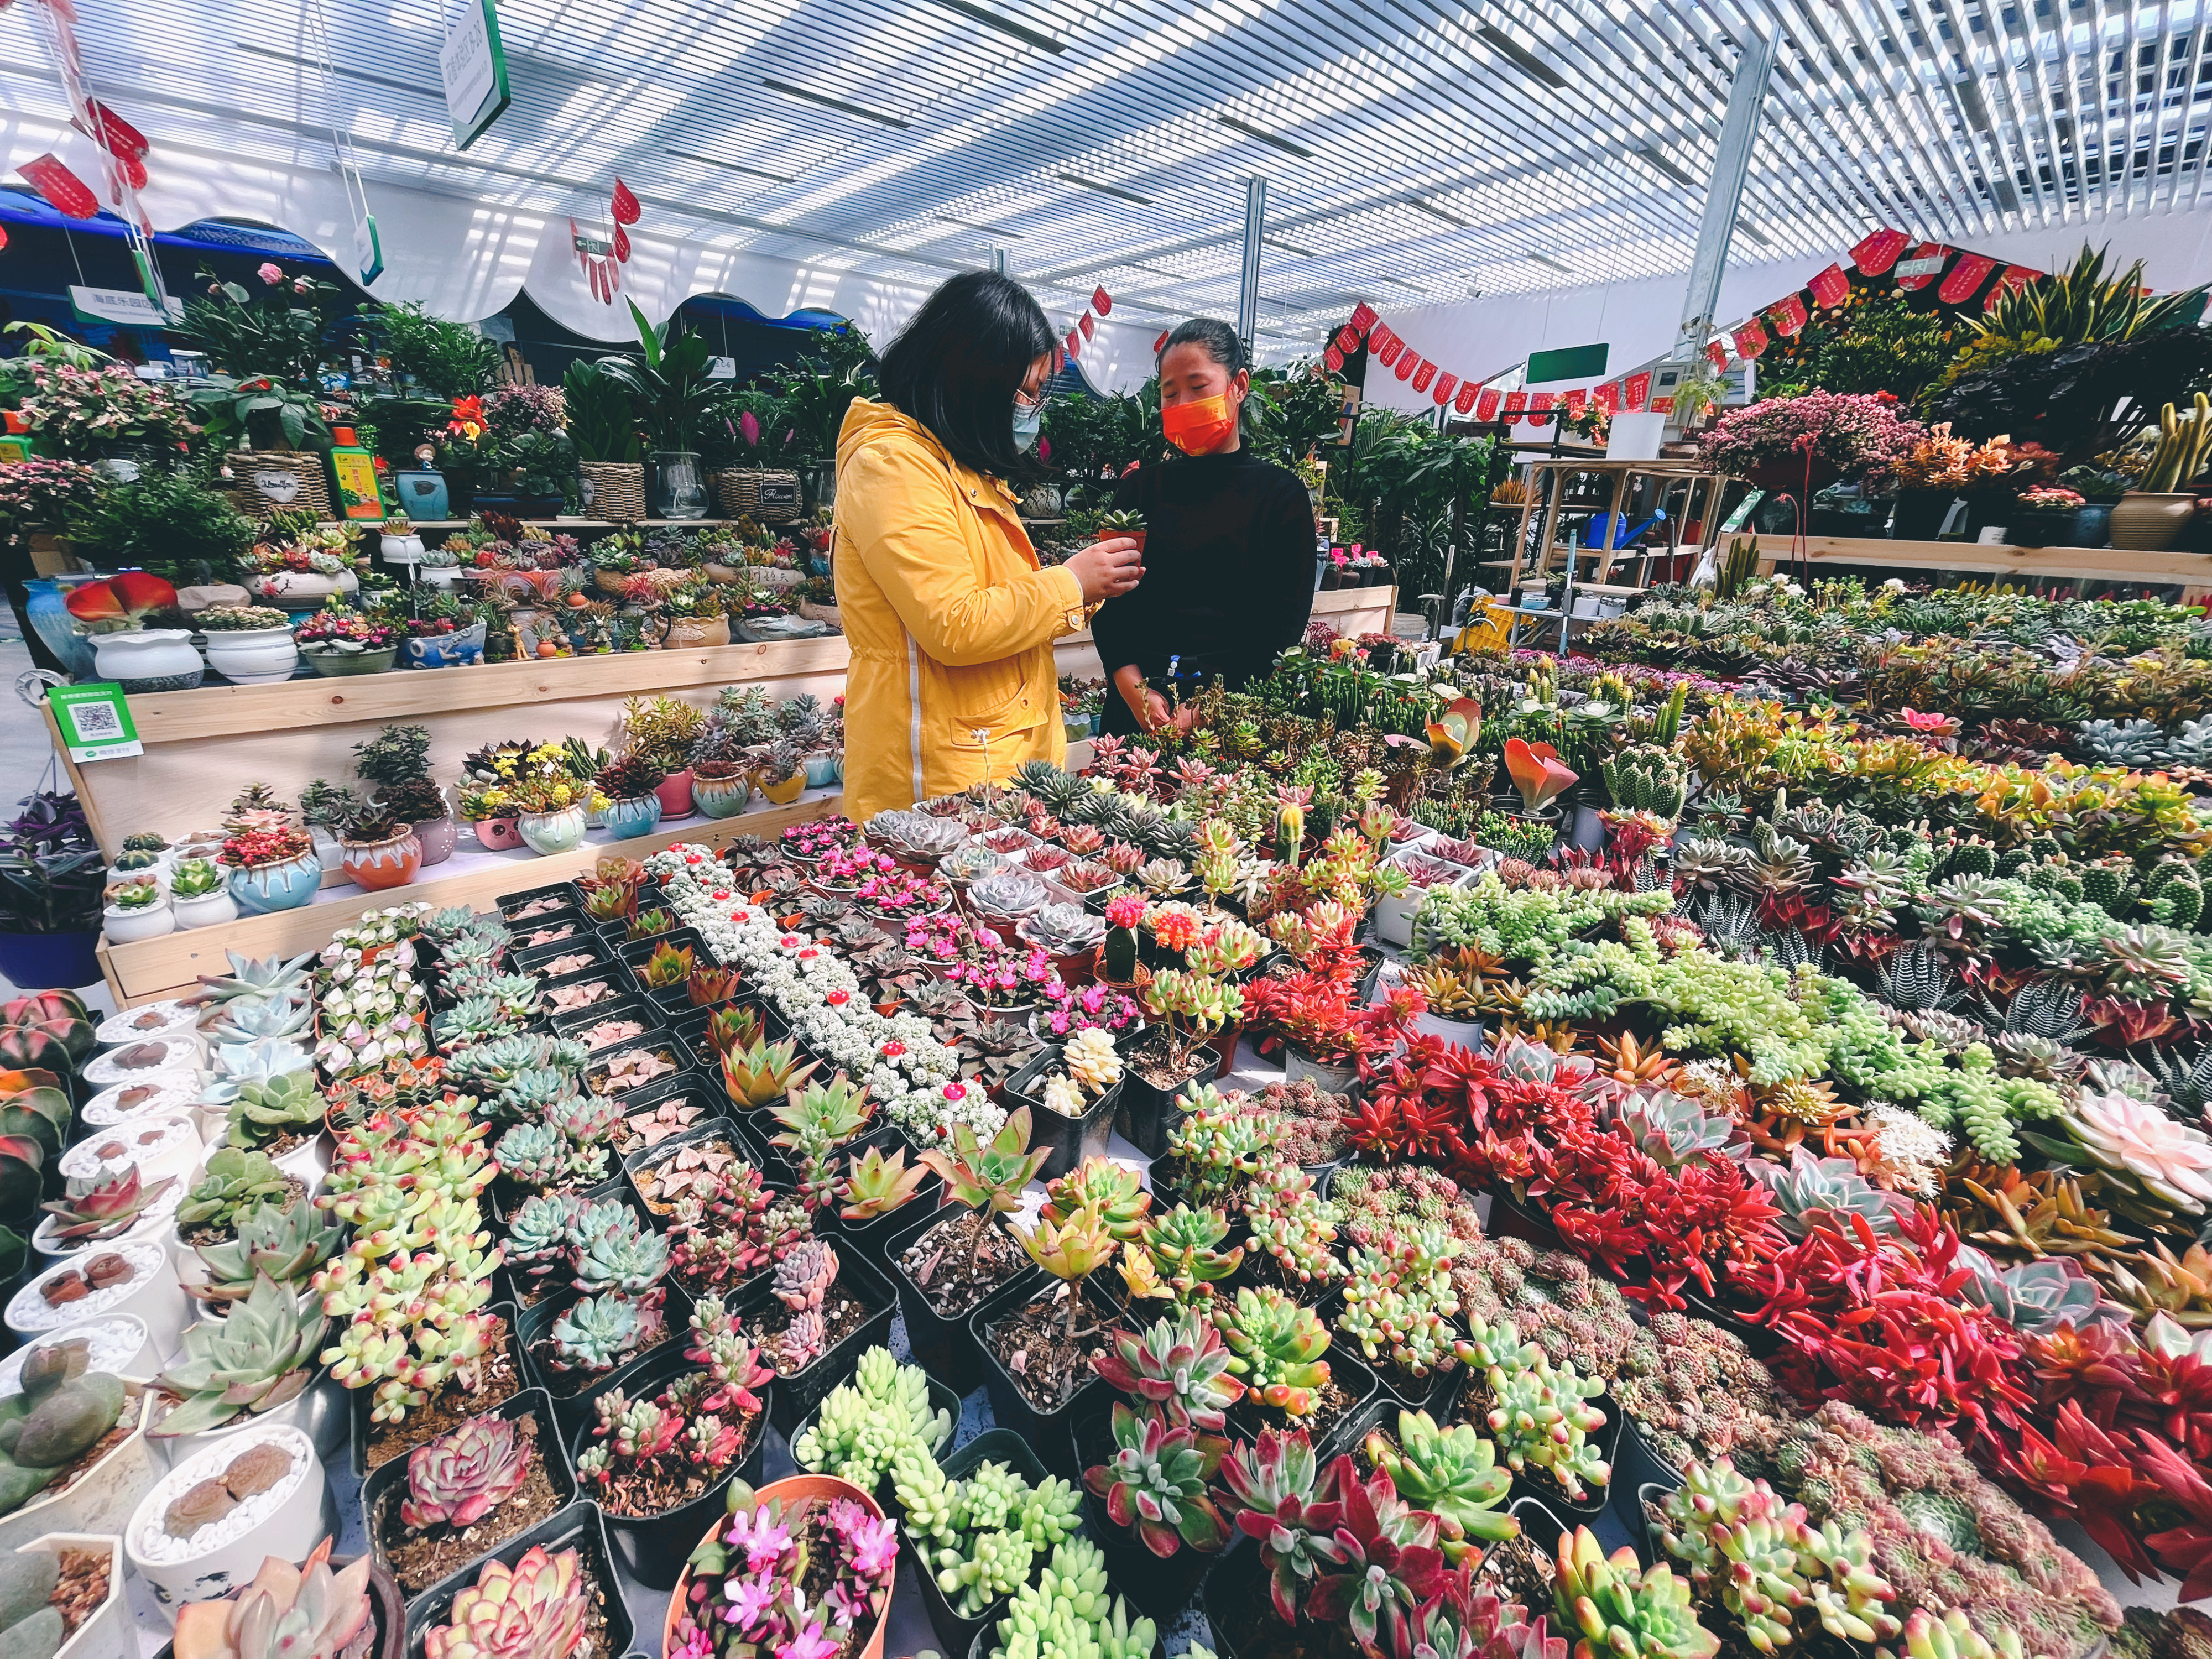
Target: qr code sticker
x=96 y=722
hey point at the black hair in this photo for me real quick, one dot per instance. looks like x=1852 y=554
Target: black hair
x=1218 y=338
x=958 y=364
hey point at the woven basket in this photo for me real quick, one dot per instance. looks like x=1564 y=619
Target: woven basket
x=771 y=497
x=613 y=491
x=737 y=491
x=270 y=481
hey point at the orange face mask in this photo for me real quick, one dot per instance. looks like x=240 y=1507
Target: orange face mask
x=1200 y=427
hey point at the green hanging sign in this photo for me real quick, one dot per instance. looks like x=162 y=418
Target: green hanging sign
x=474 y=66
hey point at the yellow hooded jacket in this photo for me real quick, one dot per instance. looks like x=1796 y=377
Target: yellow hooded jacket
x=950 y=620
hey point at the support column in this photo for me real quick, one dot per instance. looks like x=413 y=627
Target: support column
x=1247 y=289
x=1746 y=96
x=999 y=260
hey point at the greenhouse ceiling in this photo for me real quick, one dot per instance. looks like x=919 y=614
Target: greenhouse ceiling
x=1415 y=153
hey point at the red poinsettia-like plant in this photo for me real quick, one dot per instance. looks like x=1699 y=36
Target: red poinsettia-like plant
x=1537 y=773
x=120 y=603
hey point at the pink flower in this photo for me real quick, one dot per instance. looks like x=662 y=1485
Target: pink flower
x=762 y=1539
x=750 y=1599
x=748 y=424
x=809 y=1644
x=300 y=285
x=269 y=274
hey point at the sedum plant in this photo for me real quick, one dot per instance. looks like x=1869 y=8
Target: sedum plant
x=1275 y=1349
x=1067 y=1611
x=1176 y=1255
x=864 y=1425
x=1618 y=1611
x=980 y=1536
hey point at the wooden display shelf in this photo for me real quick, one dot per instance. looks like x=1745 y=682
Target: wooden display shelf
x=2193 y=571
x=149 y=969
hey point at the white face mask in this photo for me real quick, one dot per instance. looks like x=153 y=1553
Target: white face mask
x=1028 y=421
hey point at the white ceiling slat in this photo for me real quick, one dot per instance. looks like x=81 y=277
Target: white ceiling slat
x=1415 y=148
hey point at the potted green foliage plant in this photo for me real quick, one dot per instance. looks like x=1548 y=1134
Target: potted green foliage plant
x=52 y=872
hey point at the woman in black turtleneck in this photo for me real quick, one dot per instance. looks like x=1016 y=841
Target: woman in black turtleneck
x=1229 y=544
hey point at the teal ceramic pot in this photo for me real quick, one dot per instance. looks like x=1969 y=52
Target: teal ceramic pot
x=341 y=664
x=821 y=770
x=2093 y=525
x=627 y=818
x=49 y=613
x=268 y=887
x=552 y=832
x=720 y=797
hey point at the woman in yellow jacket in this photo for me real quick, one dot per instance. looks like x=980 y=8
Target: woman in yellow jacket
x=950 y=619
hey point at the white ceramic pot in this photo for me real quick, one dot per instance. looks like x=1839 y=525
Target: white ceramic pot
x=205 y=911
x=181 y=1052
x=148 y=1023
x=288 y=1521
x=152 y=1293
x=252 y=656
x=322 y=1411
x=330 y=851
x=157 y=1221
x=106 y=1631
x=439 y=575
x=149 y=659
x=305 y=585
x=156 y=873
x=158 y=1146
x=170 y=1097
x=100 y=1500
x=310 y=1160
x=119 y=1344
x=128 y=927
x=401 y=550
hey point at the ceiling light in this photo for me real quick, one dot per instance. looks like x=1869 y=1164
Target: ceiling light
x=1116 y=191
x=1289 y=247
x=1555 y=264
x=1530 y=63
x=384 y=80
x=1265 y=137
x=1659 y=164
x=970 y=224
x=733 y=167
x=1420 y=206
x=1745 y=228
x=839 y=104
x=990 y=19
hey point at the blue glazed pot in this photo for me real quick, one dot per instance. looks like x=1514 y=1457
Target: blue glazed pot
x=454 y=650
x=821 y=771
x=2093 y=525
x=49 y=614
x=626 y=818
x=546 y=833
x=283 y=886
x=721 y=797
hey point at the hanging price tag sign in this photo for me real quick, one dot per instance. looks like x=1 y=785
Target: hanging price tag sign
x=96 y=722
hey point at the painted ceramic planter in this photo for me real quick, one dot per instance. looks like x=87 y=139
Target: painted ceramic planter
x=636 y=817
x=690 y=633
x=304 y=590
x=721 y=797
x=125 y=927
x=496 y=834
x=552 y=832
x=341 y=664
x=822 y=770
x=783 y=794
x=207 y=910
x=100 y=1500
x=391 y=862
x=283 y=886
x=439 y=575
x=438 y=836
x=288 y=1526
x=674 y=793
x=788 y=1490
x=149 y=659
x=454 y=650
x=252 y=656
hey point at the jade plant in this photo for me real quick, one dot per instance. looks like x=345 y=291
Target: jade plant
x=864 y=1425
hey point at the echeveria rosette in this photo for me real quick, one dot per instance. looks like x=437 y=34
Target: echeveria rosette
x=462 y=1476
x=1155 y=1484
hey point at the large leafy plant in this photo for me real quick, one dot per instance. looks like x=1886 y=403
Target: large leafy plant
x=817 y=391
x=600 y=420
x=52 y=870
x=448 y=360
x=278 y=332
x=672 y=398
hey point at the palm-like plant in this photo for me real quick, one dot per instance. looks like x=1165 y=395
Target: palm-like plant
x=670 y=395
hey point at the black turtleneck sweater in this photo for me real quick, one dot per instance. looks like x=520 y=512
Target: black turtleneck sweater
x=1229 y=575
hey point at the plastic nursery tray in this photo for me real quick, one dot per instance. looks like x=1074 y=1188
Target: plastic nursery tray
x=565 y=891
x=1070 y=1140
x=615 y=985
x=533 y=958
x=563 y=928
x=626 y=1007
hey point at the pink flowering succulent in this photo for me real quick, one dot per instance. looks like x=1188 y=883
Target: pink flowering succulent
x=1093 y=1008
x=747 y=1593
x=851 y=867
x=818 y=837
x=899 y=893
x=1006 y=979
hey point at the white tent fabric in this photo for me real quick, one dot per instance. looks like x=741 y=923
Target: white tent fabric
x=1481 y=339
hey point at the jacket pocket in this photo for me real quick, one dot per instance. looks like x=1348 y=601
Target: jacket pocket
x=996 y=697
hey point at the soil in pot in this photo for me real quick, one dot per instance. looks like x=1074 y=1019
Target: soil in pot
x=608 y=1629
x=81 y=1586
x=1241 y=1606
x=1048 y=1366
x=952 y=1271
x=448 y=1408
x=676 y=1105
x=1521 y=1570
x=418 y=1560
x=662 y=1183
x=844 y=1312
x=1349 y=1387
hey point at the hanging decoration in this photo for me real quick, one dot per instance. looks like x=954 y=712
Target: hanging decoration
x=1422 y=375
x=1965 y=279
x=1877 y=251
x=1919 y=269
x=603 y=257
x=1831 y=286
x=2014 y=277
x=1635 y=390
x=1469 y=392
x=1788 y=315
x=1407 y=362
x=1486 y=404
x=1442 y=393
x=368 y=245
x=1608 y=399
x=1100 y=304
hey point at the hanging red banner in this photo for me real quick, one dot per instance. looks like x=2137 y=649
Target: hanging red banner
x=1485 y=405
x=1543 y=403
x=1102 y=302
x=1716 y=355
x=1965 y=279
x=1160 y=344
x=1751 y=339
x=1514 y=402
x=1347 y=339
x=1788 y=315
x=1443 y=391
x=1388 y=352
x=1363 y=317
x=2014 y=277
x=1575 y=400
x=625 y=206
x=1608 y=397
x=1920 y=267
x=1467 y=394
x=1407 y=362
x=1333 y=358
x=1877 y=251
x=1831 y=286
x=1635 y=390
x=1089 y=325
x=1422 y=375
x=621 y=246
x=1075 y=345
x=68 y=194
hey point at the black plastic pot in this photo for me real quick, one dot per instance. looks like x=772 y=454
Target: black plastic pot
x=799 y=1394
x=1049 y=1431
x=581 y=931
x=634 y=956
x=1642 y=1532
x=707 y=1129
x=1368 y=1406
x=631 y=1006
x=1542 y=1487
x=579 y=1528
x=653 y=1549
x=943 y=1345
x=533 y=958
x=359 y=1399
x=872 y=1238
x=507 y=1200
x=572 y=1391
x=1070 y=1139
x=1227 y=1598
x=940 y=1399
x=956 y=1634
x=1509 y=1218
x=566 y=892
x=1764 y=1340
x=689 y=1085
x=1148 y=1115
x=664 y=1042
x=391 y=1478
x=606 y=973
x=1636 y=1469
x=1159 y=1587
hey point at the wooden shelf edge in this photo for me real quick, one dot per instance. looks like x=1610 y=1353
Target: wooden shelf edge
x=2100 y=563
x=149 y=969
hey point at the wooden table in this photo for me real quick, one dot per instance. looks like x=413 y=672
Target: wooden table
x=2191 y=572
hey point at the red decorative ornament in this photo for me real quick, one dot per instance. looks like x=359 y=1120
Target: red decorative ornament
x=1469 y=392
x=1363 y=317
x=1716 y=355
x=1751 y=339
x=68 y=194
x=1407 y=362
x=1543 y=402
x=1608 y=397
x=1422 y=375
x=1514 y=402
x=1333 y=358
x=1485 y=405
x=1102 y=302
x=1576 y=400
x=1443 y=388
x=1831 y=286
x=1075 y=344
x=1390 y=351
x=621 y=246
x=1160 y=344
x=1964 y=280
x=1922 y=251
x=625 y=206
x=1347 y=338
x=1637 y=389
x=1877 y=251
x=1089 y=325
x=1788 y=315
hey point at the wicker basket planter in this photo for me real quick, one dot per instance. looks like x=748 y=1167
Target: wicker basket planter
x=268 y=481
x=613 y=491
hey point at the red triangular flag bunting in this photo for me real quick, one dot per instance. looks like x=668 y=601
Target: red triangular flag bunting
x=1878 y=252
x=1831 y=286
x=1751 y=339
x=1102 y=302
x=1965 y=279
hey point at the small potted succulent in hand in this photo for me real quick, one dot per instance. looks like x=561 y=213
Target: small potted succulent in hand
x=1122 y=522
